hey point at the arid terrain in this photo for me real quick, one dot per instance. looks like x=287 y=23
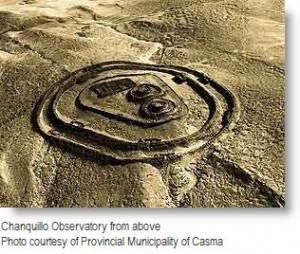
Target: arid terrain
x=238 y=43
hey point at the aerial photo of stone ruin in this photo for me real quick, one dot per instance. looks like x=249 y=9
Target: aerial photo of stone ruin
x=142 y=103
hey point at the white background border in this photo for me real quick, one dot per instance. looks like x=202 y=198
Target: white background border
x=244 y=230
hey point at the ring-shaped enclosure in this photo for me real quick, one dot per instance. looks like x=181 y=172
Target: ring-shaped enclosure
x=136 y=112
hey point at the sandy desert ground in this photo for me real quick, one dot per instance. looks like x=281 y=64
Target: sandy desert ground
x=239 y=43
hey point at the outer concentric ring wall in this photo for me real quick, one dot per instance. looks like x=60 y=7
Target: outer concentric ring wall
x=205 y=109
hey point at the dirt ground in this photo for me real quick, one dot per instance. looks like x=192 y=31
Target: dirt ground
x=238 y=43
